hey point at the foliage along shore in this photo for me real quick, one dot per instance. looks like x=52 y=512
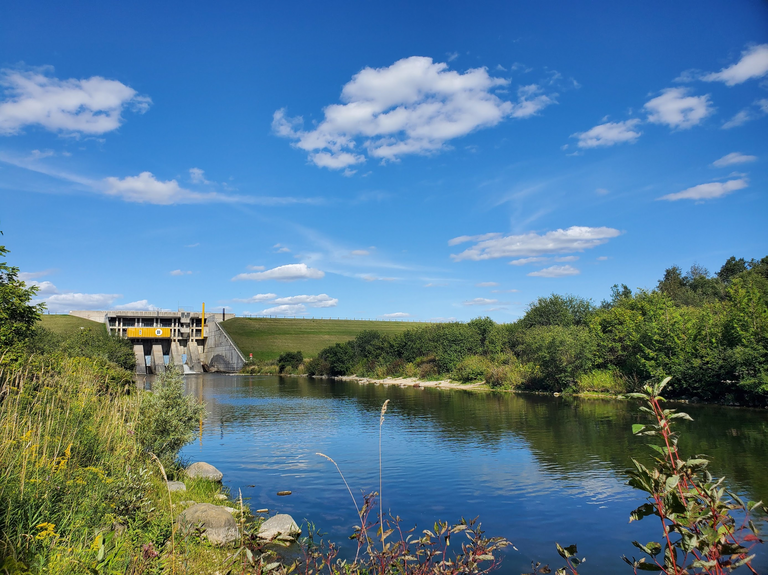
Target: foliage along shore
x=708 y=332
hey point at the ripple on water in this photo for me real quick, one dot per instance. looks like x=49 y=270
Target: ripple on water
x=536 y=470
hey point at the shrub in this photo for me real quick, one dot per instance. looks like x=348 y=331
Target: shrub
x=317 y=366
x=340 y=359
x=510 y=375
x=602 y=380
x=167 y=417
x=559 y=353
x=471 y=368
x=427 y=367
x=289 y=359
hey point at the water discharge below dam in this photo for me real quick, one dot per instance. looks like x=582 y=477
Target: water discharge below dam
x=535 y=469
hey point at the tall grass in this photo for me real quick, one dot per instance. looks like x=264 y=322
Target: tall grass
x=63 y=444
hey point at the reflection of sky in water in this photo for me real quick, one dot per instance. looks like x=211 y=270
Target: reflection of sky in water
x=444 y=457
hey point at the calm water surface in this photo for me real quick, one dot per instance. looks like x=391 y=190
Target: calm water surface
x=534 y=469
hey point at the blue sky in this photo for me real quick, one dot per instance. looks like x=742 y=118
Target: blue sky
x=416 y=160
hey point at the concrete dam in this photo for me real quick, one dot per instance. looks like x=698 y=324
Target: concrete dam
x=193 y=341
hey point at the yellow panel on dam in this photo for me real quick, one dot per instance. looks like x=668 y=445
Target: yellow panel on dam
x=153 y=332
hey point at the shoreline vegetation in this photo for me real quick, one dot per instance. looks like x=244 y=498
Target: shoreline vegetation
x=708 y=332
x=91 y=480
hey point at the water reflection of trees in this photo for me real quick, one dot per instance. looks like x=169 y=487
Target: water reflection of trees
x=564 y=434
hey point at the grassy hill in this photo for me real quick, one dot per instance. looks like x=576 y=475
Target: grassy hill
x=267 y=338
x=67 y=324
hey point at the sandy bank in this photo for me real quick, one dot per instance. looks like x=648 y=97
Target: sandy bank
x=413 y=382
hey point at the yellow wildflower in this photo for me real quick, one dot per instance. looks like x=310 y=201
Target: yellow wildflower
x=46 y=531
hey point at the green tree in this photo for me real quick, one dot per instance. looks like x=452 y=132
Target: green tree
x=18 y=315
x=559 y=310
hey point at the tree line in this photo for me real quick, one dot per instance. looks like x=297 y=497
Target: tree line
x=709 y=332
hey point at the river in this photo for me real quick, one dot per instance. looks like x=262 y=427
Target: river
x=535 y=469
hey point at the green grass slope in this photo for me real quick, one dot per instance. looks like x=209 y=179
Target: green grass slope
x=267 y=338
x=68 y=324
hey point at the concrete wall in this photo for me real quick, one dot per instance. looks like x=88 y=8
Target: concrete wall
x=221 y=353
x=98 y=316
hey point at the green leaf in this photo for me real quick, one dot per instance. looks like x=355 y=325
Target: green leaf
x=672 y=482
x=637 y=428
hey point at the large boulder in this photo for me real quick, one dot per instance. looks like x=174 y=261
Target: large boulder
x=203 y=470
x=219 y=525
x=281 y=526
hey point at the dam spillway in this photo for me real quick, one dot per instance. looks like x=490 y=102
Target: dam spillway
x=193 y=341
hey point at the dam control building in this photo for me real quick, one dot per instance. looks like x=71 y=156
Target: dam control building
x=194 y=341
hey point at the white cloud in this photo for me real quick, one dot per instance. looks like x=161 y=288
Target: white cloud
x=197 y=176
x=747 y=114
x=284 y=310
x=676 y=109
x=395 y=315
x=43 y=288
x=321 y=300
x=140 y=305
x=255 y=268
x=287 y=273
x=505 y=291
x=753 y=64
x=281 y=249
x=530 y=101
x=259 y=297
x=90 y=106
x=707 y=191
x=556 y=272
x=602 y=258
x=180 y=273
x=486 y=284
x=481 y=301
x=567 y=259
x=360 y=252
x=573 y=239
x=375 y=278
x=733 y=158
x=25 y=276
x=481 y=237
x=435 y=284
x=145 y=188
x=413 y=106
x=739 y=119
x=526 y=261
x=65 y=302
x=602 y=191
x=609 y=134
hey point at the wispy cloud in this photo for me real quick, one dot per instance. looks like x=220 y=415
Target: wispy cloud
x=395 y=315
x=286 y=273
x=555 y=272
x=89 y=106
x=140 y=305
x=732 y=159
x=180 y=273
x=708 y=191
x=481 y=301
x=753 y=64
x=147 y=189
x=260 y=297
x=413 y=106
x=486 y=284
x=573 y=239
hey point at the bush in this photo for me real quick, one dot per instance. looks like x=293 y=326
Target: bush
x=602 y=380
x=167 y=417
x=560 y=354
x=510 y=374
x=340 y=359
x=471 y=368
x=289 y=359
x=317 y=366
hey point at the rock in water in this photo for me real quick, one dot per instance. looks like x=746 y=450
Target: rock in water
x=280 y=526
x=204 y=470
x=176 y=486
x=219 y=525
